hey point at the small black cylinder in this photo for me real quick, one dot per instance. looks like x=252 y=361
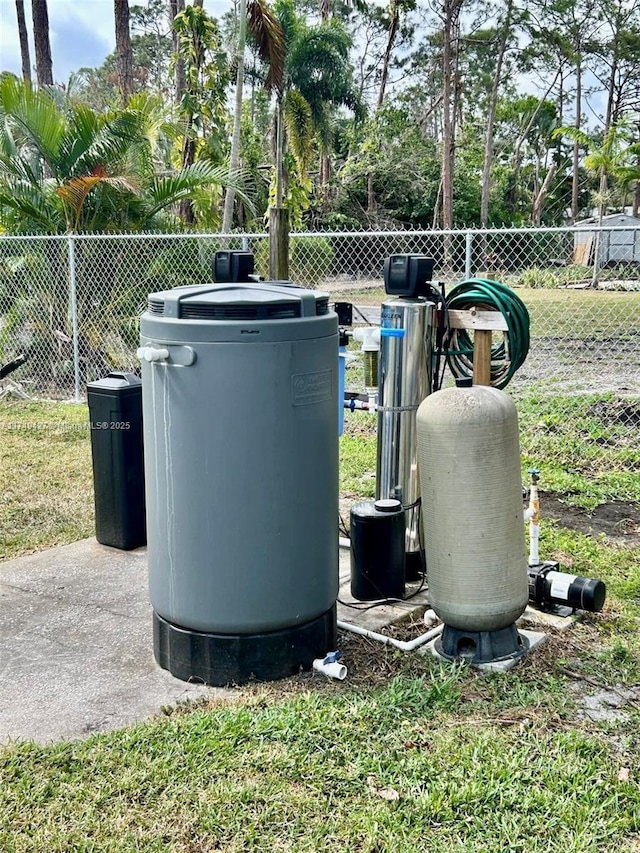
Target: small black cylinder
x=115 y=409
x=377 y=550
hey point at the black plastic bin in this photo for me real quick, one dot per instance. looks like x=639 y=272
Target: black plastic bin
x=115 y=410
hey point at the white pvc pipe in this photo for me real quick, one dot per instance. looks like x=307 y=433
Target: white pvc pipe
x=361 y=405
x=333 y=669
x=534 y=522
x=534 y=539
x=343 y=542
x=407 y=646
x=153 y=353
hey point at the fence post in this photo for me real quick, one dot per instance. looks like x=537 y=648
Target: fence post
x=596 y=256
x=467 y=256
x=73 y=304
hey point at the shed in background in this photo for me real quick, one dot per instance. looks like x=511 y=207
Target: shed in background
x=617 y=247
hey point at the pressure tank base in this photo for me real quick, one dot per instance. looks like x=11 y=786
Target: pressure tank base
x=223 y=659
x=480 y=647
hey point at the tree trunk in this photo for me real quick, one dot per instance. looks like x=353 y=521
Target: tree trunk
x=124 y=55
x=44 y=65
x=278 y=214
x=24 y=42
x=491 y=118
x=436 y=207
x=234 y=157
x=538 y=204
x=175 y=7
x=576 y=146
x=325 y=172
x=371 y=199
x=449 y=51
x=394 y=20
x=281 y=190
x=185 y=206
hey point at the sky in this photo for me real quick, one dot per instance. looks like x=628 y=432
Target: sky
x=81 y=33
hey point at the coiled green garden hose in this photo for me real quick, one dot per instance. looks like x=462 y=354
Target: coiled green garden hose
x=507 y=355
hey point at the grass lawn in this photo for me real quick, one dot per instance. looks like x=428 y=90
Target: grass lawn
x=405 y=755
x=45 y=474
x=436 y=763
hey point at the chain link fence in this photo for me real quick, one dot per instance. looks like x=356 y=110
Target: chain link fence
x=69 y=306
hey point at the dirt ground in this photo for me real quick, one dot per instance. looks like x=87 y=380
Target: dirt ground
x=619 y=521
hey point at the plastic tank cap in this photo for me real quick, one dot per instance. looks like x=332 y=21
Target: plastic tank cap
x=388 y=505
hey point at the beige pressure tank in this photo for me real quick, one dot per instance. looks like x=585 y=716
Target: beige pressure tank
x=469 y=461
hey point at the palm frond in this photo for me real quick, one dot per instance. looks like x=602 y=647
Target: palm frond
x=573 y=133
x=270 y=41
x=80 y=136
x=31 y=208
x=299 y=122
x=35 y=118
x=167 y=190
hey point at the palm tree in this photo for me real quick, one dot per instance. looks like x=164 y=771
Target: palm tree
x=612 y=159
x=83 y=171
x=269 y=39
x=317 y=78
x=205 y=71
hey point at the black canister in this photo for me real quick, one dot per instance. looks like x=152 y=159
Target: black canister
x=115 y=409
x=377 y=550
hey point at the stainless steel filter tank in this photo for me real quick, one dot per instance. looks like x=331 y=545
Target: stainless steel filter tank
x=240 y=385
x=404 y=375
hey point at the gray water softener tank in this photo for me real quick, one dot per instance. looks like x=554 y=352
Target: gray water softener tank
x=240 y=386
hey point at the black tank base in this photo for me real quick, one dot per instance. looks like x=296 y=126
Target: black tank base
x=222 y=659
x=476 y=647
x=413 y=565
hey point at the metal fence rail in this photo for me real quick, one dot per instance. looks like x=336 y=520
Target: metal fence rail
x=71 y=304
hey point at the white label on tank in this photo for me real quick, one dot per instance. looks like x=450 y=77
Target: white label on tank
x=560 y=584
x=307 y=388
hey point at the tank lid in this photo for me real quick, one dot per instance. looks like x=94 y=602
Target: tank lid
x=269 y=300
x=116 y=381
x=388 y=505
x=464 y=382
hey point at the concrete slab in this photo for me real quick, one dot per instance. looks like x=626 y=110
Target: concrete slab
x=76 y=653
x=548 y=620
x=76 y=648
x=375 y=618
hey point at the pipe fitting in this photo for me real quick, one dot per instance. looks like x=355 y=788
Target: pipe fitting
x=369 y=337
x=332 y=669
x=151 y=354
